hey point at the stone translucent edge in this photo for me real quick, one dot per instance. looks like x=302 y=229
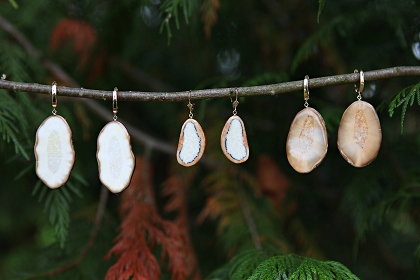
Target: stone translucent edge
x=99 y=156
x=200 y=134
x=375 y=153
x=223 y=139
x=324 y=133
x=37 y=141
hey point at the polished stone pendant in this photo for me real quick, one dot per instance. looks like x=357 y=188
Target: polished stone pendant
x=307 y=142
x=54 y=151
x=115 y=158
x=359 y=134
x=191 y=143
x=234 y=141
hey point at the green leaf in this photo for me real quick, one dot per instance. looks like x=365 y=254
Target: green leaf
x=405 y=97
x=320 y=8
x=14 y=4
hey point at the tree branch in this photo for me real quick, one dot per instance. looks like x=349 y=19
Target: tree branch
x=274 y=89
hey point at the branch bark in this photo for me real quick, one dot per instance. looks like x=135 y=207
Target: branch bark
x=274 y=89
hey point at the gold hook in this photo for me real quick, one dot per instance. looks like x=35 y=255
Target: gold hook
x=359 y=90
x=306 y=91
x=114 y=103
x=235 y=103
x=190 y=105
x=54 y=97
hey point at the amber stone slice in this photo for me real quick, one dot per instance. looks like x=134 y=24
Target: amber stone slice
x=307 y=142
x=359 y=134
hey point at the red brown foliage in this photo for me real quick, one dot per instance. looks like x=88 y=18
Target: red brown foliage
x=209 y=18
x=83 y=39
x=80 y=33
x=176 y=189
x=273 y=183
x=141 y=229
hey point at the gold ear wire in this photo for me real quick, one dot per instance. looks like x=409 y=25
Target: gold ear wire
x=114 y=103
x=54 y=97
x=190 y=105
x=235 y=103
x=306 y=91
x=359 y=90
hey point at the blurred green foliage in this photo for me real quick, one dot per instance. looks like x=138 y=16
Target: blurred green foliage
x=367 y=219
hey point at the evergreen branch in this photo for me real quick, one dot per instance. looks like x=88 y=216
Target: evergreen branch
x=183 y=96
x=11 y=114
x=14 y=4
x=248 y=216
x=293 y=267
x=321 y=7
x=103 y=198
x=404 y=98
x=169 y=9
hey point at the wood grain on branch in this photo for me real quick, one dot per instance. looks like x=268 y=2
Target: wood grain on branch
x=274 y=89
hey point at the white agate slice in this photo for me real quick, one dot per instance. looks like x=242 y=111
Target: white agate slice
x=307 y=142
x=191 y=143
x=359 y=134
x=234 y=141
x=115 y=157
x=54 y=151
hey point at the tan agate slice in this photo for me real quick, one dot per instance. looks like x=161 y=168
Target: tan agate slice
x=115 y=158
x=307 y=142
x=54 y=151
x=359 y=134
x=234 y=141
x=191 y=143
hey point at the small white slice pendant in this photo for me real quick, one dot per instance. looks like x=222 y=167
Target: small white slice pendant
x=54 y=151
x=191 y=143
x=307 y=143
x=234 y=141
x=115 y=158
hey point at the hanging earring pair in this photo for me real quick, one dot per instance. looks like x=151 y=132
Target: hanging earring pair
x=116 y=160
x=307 y=142
x=192 y=140
x=359 y=134
x=54 y=152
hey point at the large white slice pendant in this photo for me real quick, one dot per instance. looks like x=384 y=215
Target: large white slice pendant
x=234 y=141
x=54 y=151
x=191 y=143
x=359 y=134
x=115 y=158
x=307 y=142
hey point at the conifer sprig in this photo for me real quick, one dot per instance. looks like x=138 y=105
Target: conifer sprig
x=13 y=123
x=57 y=203
x=260 y=265
x=404 y=98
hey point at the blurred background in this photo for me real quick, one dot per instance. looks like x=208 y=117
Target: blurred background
x=365 y=218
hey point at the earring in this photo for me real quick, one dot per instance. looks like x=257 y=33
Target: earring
x=115 y=158
x=359 y=134
x=307 y=142
x=53 y=149
x=191 y=140
x=233 y=139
